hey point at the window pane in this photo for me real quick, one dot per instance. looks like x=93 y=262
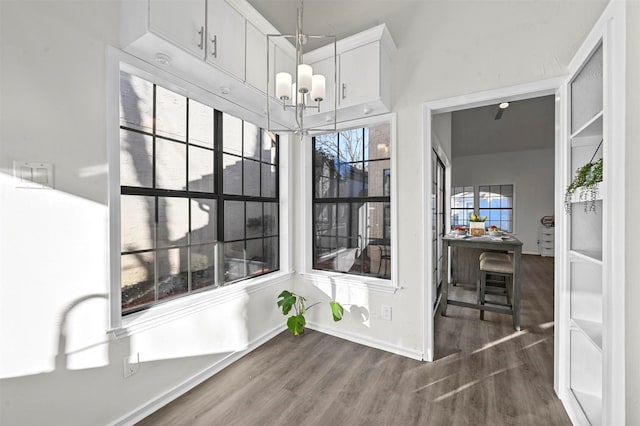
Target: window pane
x=137 y=280
x=200 y=169
x=377 y=144
x=254 y=220
x=377 y=220
x=232 y=174
x=350 y=145
x=136 y=159
x=173 y=221
x=171 y=164
x=234 y=264
x=231 y=134
x=171 y=114
x=255 y=257
x=271 y=254
x=506 y=215
x=506 y=190
x=378 y=178
x=325 y=233
x=268 y=147
x=352 y=178
x=327 y=145
x=251 y=141
x=233 y=220
x=268 y=180
x=506 y=202
x=251 y=178
x=200 y=124
x=325 y=175
x=137 y=222
x=271 y=219
x=203 y=266
x=136 y=102
x=203 y=221
x=173 y=266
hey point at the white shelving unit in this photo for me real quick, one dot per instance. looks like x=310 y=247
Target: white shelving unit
x=591 y=360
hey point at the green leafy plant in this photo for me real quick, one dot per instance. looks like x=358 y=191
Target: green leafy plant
x=296 y=323
x=586 y=180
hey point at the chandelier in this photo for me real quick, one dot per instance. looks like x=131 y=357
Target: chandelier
x=304 y=91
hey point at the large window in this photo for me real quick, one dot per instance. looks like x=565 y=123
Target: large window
x=351 y=201
x=493 y=201
x=199 y=196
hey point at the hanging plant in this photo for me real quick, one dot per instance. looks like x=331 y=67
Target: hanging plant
x=586 y=180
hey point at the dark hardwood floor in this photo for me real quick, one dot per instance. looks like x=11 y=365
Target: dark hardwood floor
x=485 y=374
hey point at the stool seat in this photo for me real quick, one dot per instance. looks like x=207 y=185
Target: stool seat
x=495 y=255
x=499 y=266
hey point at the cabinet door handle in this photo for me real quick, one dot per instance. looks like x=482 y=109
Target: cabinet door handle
x=344 y=91
x=201 y=34
x=214 y=42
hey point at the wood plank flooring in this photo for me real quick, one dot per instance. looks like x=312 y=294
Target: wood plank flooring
x=485 y=374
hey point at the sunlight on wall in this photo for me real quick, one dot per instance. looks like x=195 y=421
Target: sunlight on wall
x=354 y=300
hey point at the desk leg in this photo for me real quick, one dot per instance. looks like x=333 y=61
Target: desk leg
x=517 y=255
x=445 y=276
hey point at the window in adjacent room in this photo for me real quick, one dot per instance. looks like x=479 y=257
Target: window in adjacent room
x=198 y=196
x=493 y=201
x=351 y=201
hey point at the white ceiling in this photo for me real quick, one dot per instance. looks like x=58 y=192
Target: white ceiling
x=339 y=18
x=526 y=125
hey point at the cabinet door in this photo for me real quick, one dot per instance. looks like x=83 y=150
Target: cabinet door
x=360 y=74
x=225 y=37
x=256 y=58
x=180 y=22
x=326 y=67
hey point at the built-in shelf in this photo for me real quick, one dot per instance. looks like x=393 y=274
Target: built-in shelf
x=591 y=329
x=590 y=256
x=591 y=405
x=590 y=129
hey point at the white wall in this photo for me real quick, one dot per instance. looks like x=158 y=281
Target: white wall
x=632 y=296
x=531 y=173
x=53 y=245
x=451 y=49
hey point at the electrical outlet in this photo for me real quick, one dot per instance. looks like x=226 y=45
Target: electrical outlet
x=131 y=364
x=385 y=313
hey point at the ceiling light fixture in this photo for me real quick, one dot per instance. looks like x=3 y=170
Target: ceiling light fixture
x=305 y=90
x=504 y=105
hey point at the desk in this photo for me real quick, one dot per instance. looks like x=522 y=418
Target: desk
x=485 y=243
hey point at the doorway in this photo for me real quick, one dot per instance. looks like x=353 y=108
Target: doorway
x=436 y=144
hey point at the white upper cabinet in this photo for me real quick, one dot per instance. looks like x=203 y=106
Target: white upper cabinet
x=360 y=74
x=256 y=58
x=363 y=80
x=182 y=23
x=226 y=38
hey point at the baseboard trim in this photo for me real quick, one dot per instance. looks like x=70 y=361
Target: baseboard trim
x=367 y=341
x=159 y=402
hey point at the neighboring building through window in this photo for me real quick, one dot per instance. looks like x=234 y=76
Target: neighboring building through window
x=199 y=196
x=351 y=201
x=493 y=201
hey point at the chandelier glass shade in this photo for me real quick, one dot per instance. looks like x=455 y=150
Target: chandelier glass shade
x=303 y=91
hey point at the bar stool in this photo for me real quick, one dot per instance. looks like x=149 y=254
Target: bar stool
x=495 y=265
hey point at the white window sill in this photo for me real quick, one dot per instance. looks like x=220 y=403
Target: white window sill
x=188 y=305
x=379 y=285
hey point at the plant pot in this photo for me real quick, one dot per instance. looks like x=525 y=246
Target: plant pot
x=476 y=229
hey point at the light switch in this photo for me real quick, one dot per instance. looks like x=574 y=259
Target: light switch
x=33 y=174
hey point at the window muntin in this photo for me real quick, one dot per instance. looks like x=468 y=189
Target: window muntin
x=351 y=201
x=182 y=166
x=493 y=201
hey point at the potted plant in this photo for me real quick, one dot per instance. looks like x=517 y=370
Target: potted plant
x=288 y=300
x=586 y=180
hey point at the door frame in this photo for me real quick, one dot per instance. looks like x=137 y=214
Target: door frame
x=473 y=100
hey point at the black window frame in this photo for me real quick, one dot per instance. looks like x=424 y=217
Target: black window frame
x=217 y=194
x=383 y=244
